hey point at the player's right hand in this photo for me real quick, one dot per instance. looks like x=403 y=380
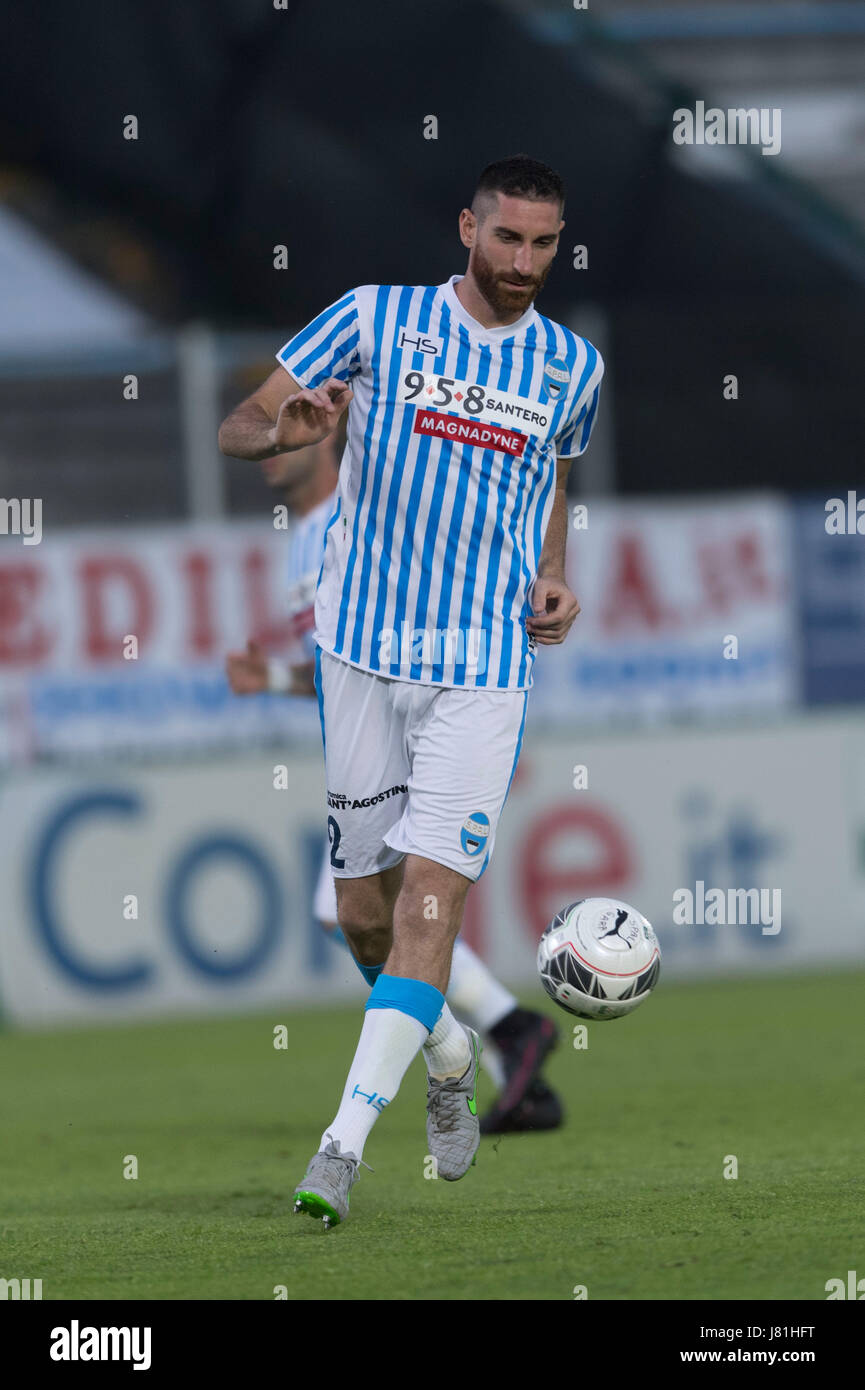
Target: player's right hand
x=247 y=671
x=310 y=415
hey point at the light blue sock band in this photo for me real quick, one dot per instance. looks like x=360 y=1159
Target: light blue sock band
x=413 y=997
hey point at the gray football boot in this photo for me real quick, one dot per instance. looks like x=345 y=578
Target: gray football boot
x=452 y=1126
x=325 y=1190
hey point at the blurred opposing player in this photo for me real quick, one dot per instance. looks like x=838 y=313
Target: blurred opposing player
x=443 y=569
x=520 y=1038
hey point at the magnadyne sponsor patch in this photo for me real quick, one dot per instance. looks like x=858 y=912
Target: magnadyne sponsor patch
x=440 y=426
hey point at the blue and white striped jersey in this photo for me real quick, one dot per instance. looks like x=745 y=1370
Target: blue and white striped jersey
x=305 y=552
x=447 y=480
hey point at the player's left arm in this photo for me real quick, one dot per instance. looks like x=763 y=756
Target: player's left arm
x=554 y=606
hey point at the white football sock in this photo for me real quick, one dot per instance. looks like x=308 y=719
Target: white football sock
x=475 y=993
x=389 y=1041
x=447 y=1051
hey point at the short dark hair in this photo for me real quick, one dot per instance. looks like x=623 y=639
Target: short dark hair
x=520 y=177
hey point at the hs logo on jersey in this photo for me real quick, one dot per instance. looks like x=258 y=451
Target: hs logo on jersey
x=410 y=338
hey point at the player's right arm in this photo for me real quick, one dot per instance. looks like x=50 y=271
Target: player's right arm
x=281 y=416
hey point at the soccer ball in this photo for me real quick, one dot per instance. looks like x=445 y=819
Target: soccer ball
x=599 y=958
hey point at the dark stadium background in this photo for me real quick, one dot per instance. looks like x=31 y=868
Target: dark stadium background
x=302 y=126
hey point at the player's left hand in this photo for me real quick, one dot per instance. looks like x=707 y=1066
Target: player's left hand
x=554 y=610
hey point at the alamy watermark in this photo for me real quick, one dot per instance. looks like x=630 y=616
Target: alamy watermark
x=438 y=646
x=21 y=516
x=845 y=517
x=77 y=1343
x=718 y=907
x=735 y=126
x=853 y=1287
x=20 y=1289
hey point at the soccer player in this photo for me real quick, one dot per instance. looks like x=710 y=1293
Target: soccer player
x=521 y=1038
x=443 y=570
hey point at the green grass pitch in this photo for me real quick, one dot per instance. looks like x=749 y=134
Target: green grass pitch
x=628 y=1199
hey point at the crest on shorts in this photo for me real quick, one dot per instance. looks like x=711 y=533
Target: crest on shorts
x=475 y=832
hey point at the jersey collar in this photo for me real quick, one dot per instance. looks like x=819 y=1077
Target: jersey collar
x=495 y=334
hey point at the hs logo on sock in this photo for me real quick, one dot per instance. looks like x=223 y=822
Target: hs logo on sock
x=378 y=1101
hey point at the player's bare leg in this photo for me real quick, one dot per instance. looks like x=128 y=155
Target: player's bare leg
x=365 y=908
x=426 y=920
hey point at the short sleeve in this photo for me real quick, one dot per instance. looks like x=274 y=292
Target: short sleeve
x=328 y=346
x=574 y=438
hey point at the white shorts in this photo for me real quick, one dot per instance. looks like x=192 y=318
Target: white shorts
x=414 y=769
